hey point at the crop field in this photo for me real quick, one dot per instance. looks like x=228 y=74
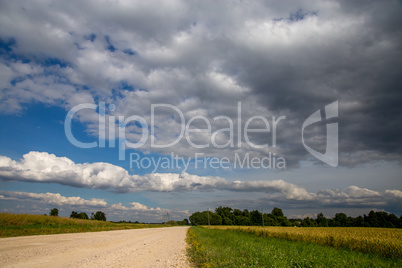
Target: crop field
x=384 y=242
x=217 y=247
x=26 y=224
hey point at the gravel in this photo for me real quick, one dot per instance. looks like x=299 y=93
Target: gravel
x=154 y=247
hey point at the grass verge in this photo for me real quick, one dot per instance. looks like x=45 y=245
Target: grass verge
x=225 y=248
x=12 y=225
x=386 y=242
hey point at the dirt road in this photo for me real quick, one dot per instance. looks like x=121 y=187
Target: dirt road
x=156 y=247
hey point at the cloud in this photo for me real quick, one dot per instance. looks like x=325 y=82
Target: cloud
x=45 y=168
x=53 y=199
x=352 y=199
x=135 y=210
x=289 y=191
x=349 y=197
x=393 y=194
x=135 y=206
x=277 y=58
x=42 y=167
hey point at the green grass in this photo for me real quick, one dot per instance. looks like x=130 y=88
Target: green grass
x=25 y=224
x=220 y=248
x=386 y=242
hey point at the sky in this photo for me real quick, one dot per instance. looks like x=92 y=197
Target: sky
x=143 y=108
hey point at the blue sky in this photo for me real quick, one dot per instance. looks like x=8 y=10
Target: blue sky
x=224 y=73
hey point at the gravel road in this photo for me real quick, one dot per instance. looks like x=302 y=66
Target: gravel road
x=155 y=247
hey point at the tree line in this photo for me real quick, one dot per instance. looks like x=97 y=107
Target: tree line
x=229 y=216
x=98 y=216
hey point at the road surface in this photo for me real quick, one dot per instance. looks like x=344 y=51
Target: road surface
x=155 y=247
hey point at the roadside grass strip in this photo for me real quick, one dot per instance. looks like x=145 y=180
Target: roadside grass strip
x=229 y=248
x=386 y=242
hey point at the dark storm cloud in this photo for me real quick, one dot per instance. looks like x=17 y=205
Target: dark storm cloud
x=357 y=61
x=276 y=57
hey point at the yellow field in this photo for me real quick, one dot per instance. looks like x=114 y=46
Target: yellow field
x=383 y=241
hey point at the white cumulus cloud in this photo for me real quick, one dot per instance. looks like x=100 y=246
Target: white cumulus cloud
x=53 y=199
x=45 y=167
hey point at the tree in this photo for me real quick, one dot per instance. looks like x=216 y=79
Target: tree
x=358 y=221
x=340 y=220
x=226 y=215
x=321 y=220
x=183 y=222
x=229 y=216
x=256 y=218
x=226 y=221
x=277 y=212
x=283 y=221
x=84 y=216
x=307 y=222
x=98 y=216
x=371 y=219
x=237 y=212
x=201 y=218
x=394 y=221
x=246 y=213
x=270 y=220
x=214 y=218
x=295 y=222
x=74 y=215
x=243 y=221
x=223 y=211
x=54 y=212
